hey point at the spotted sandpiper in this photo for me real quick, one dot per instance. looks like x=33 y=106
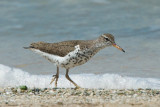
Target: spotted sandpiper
x=68 y=54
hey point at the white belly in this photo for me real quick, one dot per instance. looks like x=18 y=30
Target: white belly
x=72 y=59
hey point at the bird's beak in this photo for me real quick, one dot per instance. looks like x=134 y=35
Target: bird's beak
x=118 y=47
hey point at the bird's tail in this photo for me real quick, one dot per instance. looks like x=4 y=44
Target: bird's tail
x=26 y=47
x=35 y=45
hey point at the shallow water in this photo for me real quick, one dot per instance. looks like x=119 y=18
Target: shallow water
x=15 y=77
x=135 y=25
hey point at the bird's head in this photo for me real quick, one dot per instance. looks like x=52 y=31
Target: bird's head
x=108 y=40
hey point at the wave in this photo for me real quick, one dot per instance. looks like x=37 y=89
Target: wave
x=14 y=77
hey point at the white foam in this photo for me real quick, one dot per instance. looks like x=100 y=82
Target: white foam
x=16 y=77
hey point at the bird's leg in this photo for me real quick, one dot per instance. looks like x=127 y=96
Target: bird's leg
x=67 y=76
x=55 y=77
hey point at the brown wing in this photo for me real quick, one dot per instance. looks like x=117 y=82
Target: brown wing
x=61 y=48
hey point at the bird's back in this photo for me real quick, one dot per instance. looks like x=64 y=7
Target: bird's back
x=61 y=48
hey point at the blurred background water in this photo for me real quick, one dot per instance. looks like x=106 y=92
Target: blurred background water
x=134 y=23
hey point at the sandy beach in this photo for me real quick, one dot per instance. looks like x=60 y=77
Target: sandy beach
x=59 y=97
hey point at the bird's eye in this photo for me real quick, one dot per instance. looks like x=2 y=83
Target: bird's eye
x=107 y=39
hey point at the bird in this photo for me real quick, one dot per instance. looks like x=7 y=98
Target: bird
x=72 y=53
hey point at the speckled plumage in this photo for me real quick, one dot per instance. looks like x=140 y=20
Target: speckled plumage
x=71 y=59
x=69 y=54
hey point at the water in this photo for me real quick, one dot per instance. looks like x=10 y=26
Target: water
x=135 y=25
x=16 y=77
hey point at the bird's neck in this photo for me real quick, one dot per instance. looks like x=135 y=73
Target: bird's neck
x=98 y=44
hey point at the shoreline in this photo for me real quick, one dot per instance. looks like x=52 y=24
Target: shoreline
x=12 y=96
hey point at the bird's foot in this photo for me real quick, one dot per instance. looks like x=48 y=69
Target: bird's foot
x=55 y=77
x=77 y=87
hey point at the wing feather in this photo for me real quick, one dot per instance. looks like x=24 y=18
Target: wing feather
x=60 y=49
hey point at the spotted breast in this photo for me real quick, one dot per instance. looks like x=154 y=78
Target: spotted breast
x=77 y=57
